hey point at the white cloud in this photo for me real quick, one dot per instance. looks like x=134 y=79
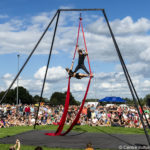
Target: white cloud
x=106 y=85
x=128 y=27
x=3 y=16
x=145 y=55
x=103 y=84
x=78 y=87
x=54 y=74
x=136 y=69
x=132 y=38
x=41 y=18
x=7 y=76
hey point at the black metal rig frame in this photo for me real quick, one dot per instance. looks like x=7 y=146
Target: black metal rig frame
x=125 y=70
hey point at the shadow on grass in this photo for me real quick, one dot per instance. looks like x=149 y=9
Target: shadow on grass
x=141 y=146
x=126 y=142
x=82 y=131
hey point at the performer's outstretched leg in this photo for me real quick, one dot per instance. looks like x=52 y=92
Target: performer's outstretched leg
x=77 y=68
x=84 y=68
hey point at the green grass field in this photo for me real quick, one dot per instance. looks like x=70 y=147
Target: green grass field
x=109 y=130
x=25 y=147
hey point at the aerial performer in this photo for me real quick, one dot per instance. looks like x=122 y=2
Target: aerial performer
x=76 y=75
x=82 y=54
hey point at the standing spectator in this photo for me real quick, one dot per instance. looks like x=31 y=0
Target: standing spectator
x=27 y=110
x=21 y=109
x=88 y=113
x=8 y=109
x=32 y=110
x=93 y=107
x=84 y=111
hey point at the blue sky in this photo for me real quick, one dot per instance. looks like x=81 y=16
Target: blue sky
x=22 y=23
x=116 y=8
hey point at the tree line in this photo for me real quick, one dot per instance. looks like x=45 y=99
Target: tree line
x=57 y=98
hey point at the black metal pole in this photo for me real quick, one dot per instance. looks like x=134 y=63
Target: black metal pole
x=127 y=76
x=136 y=95
x=47 y=67
x=94 y=9
x=28 y=58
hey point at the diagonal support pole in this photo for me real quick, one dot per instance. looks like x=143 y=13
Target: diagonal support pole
x=47 y=68
x=128 y=78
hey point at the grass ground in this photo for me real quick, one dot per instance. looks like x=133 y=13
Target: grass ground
x=109 y=130
x=25 y=147
x=117 y=130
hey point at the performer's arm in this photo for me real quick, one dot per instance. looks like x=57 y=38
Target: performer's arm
x=18 y=143
x=77 y=48
x=73 y=60
x=72 y=65
x=85 y=52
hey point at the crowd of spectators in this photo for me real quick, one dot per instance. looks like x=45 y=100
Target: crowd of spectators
x=114 y=115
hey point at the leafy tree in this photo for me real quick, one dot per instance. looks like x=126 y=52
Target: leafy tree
x=59 y=98
x=129 y=101
x=72 y=100
x=91 y=100
x=146 y=99
x=10 y=97
x=36 y=99
x=24 y=95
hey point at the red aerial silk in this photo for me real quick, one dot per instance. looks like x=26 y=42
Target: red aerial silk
x=83 y=101
x=63 y=119
x=78 y=115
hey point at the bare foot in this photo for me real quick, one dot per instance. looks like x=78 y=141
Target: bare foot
x=91 y=75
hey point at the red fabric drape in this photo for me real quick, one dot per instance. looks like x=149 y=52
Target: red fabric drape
x=77 y=40
x=83 y=101
x=63 y=118
x=86 y=49
x=80 y=110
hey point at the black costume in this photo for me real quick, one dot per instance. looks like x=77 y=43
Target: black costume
x=76 y=74
x=81 y=63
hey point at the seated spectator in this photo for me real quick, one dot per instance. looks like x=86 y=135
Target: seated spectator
x=38 y=148
x=89 y=147
x=16 y=146
x=115 y=122
x=1 y=123
x=11 y=115
x=94 y=121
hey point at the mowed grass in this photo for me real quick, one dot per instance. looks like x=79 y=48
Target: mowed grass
x=25 y=147
x=4 y=132
x=92 y=129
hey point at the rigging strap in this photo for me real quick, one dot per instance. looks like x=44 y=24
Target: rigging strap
x=63 y=118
